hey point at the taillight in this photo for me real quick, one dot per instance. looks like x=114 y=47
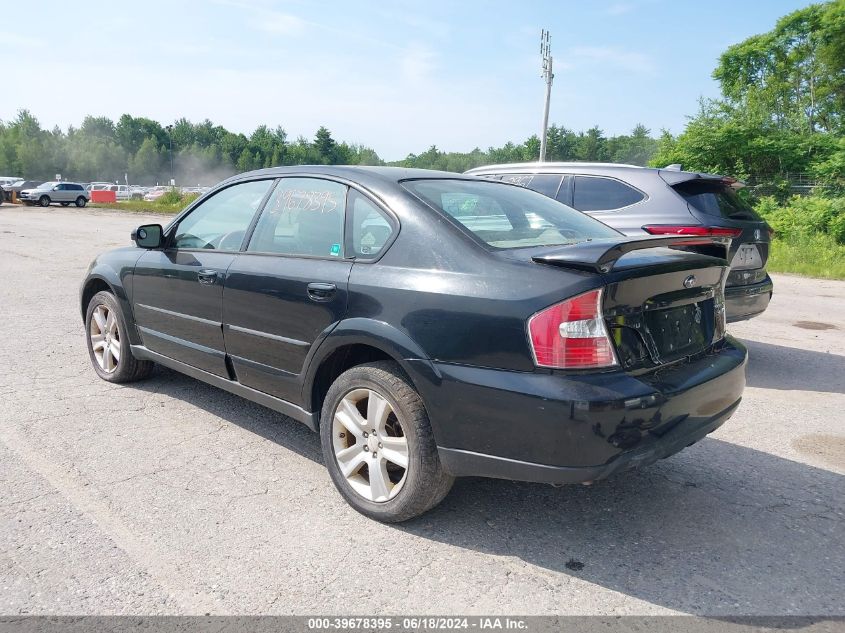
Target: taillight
x=572 y=334
x=695 y=229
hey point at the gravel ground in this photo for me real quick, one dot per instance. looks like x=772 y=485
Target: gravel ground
x=172 y=497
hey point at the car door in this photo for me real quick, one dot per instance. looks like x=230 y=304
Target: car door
x=288 y=287
x=177 y=291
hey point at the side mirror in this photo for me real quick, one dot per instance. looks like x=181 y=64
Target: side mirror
x=148 y=236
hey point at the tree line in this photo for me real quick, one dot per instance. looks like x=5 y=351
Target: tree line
x=140 y=149
x=203 y=153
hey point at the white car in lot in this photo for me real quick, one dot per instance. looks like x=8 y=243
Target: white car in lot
x=64 y=193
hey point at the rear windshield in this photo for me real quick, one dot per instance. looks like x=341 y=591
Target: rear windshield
x=505 y=216
x=716 y=198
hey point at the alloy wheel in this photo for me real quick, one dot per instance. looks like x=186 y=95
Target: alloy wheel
x=105 y=338
x=369 y=445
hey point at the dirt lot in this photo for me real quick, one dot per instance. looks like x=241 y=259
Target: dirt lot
x=169 y=496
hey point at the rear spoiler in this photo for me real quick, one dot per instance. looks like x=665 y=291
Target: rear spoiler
x=600 y=255
x=672 y=175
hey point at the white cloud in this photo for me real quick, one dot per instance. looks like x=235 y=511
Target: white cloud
x=277 y=23
x=609 y=56
x=417 y=62
x=619 y=8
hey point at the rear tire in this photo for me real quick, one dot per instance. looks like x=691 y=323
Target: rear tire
x=108 y=343
x=44 y=201
x=396 y=416
x=81 y=202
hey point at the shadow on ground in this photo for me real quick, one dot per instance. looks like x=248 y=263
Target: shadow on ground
x=789 y=368
x=716 y=529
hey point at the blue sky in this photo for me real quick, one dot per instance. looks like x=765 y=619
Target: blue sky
x=397 y=76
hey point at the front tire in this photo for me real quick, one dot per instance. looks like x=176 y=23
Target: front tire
x=44 y=201
x=378 y=445
x=108 y=344
x=81 y=202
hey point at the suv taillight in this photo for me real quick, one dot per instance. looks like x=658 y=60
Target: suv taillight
x=572 y=334
x=695 y=229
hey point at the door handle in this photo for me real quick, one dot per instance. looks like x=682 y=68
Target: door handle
x=207 y=276
x=321 y=291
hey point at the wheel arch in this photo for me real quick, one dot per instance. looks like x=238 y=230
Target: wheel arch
x=356 y=341
x=104 y=278
x=92 y=286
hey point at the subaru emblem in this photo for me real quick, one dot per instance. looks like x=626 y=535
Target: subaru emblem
x=690 y=281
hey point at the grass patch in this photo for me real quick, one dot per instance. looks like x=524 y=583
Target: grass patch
x=139 y=206
x=811 y=255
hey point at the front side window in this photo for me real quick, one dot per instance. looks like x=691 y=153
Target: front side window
x=547 y=184
x=505 y=216
x=602 y=194
x=304 y=216
x=371 y=229
x=221 y=222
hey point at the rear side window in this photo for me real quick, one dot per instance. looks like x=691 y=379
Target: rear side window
x=716 y=198
x=304 y=216
x=602 y=194
x=547 y=184
x=504 y=216
x=371 y=229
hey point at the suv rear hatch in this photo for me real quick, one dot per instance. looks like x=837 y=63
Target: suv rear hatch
x=713 y=201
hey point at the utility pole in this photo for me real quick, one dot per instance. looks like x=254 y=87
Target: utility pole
x=548 y=76
x=169 y=129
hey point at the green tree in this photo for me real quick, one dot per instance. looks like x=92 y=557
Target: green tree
x=591 y=145
x=793 y=74
x=326 y=146
x=146 y=165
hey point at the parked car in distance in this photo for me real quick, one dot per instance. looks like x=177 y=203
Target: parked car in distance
x=136 y=192
x=155 y=193
x=17 y=187
x=8 y=180
x=428 y=324
x=641 y=201
x=64 y=193
x=97 y=186
x=121 y=192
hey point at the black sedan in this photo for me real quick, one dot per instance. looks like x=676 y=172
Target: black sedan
x=429 y=325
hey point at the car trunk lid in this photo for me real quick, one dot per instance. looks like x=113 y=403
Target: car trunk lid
x=660 y=305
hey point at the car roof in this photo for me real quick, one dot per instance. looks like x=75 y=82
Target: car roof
x=672 y=175
x=364 y=175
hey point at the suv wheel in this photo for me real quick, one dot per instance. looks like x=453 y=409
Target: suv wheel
x=378 y=445
x=81 y=201
x=44 y=201
x=108 y=345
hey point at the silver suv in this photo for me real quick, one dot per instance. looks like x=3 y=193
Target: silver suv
x=64 y=193
x=640 y=201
